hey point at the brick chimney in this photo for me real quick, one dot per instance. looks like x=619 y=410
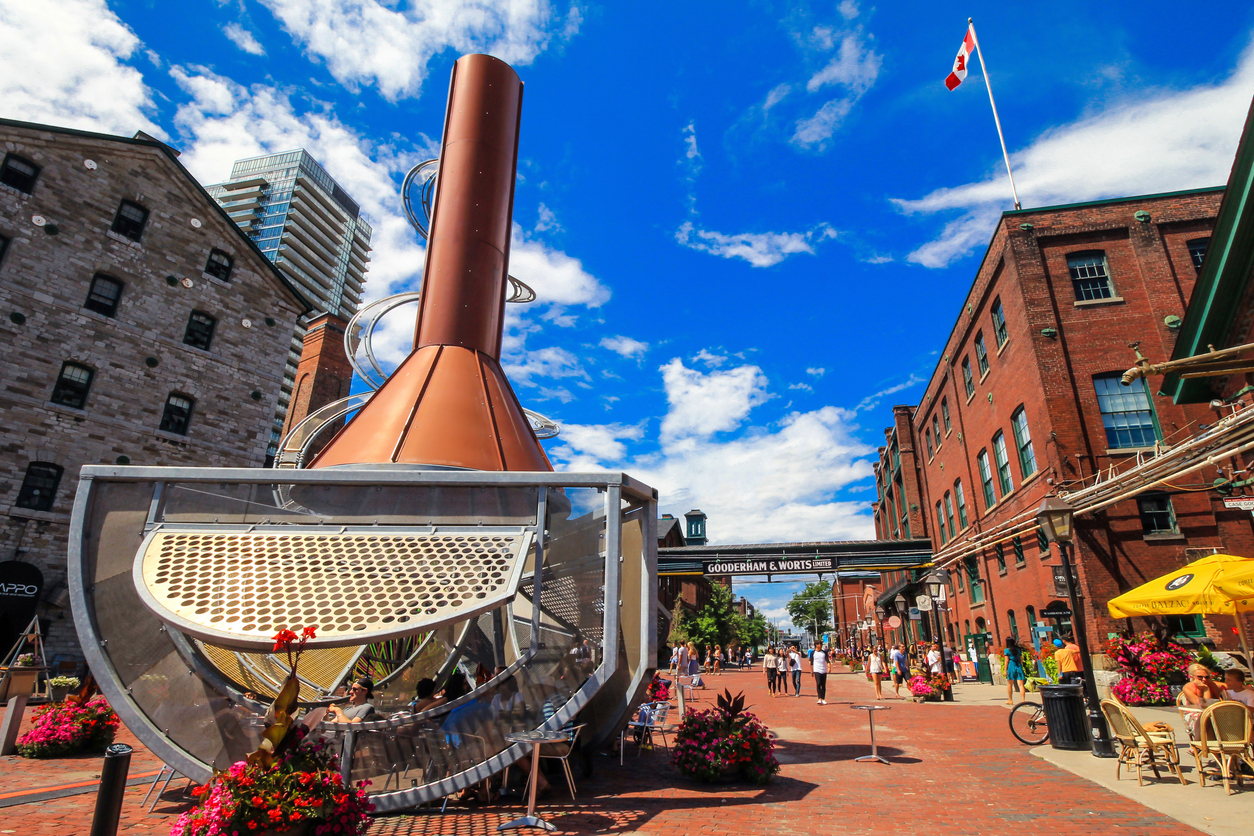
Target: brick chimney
x=324 y=374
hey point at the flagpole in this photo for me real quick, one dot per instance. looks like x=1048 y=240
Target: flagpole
x=996 y=119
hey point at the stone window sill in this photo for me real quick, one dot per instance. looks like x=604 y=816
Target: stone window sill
x=169 y=436
x=31 y=514
x=1089 y=303
x=1165 y=537
x=122 y=239
x=1002 y=347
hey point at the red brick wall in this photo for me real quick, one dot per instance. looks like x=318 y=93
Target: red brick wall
x=1052 y=378
x=324 y=373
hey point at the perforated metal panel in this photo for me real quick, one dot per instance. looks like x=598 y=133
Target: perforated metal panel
x=354 y=586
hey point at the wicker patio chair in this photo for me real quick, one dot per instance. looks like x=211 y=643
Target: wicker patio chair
x=1224 y=735
x=1135 y=741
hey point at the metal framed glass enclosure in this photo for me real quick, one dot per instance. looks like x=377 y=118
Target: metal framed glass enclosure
x=538 y=589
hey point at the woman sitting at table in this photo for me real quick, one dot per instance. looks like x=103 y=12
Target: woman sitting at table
x=1199 y=693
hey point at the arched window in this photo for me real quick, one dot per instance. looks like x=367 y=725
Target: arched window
x=177 y=415
x=72 y=385
x=1014 y=624
x=18 y=173
x=130 y=220
x=103 y=295
x=219 y=265
x=39 y=486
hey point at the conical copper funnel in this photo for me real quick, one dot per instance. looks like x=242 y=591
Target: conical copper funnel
x=449 y=403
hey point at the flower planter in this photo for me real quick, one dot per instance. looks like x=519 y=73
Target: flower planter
x=919 y=699
x=59 y=692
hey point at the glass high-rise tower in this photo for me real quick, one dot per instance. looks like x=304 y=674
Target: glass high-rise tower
x=310 y=228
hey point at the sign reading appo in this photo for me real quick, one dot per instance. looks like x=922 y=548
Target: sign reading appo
x=769 y=566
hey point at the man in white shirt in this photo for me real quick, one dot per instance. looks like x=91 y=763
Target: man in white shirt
x=935 y=660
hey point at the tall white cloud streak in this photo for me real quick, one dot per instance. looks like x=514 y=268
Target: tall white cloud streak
x=61 y=63
x=389 y=44
x=1142 y=144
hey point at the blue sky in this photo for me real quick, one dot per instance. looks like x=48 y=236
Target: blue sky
x=750 y=225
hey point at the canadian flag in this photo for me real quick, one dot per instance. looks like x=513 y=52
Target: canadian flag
x=960 y=63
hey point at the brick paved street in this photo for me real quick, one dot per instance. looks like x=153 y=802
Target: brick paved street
x=957 y=768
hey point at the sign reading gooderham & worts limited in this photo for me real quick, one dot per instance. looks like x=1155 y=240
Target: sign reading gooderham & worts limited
x=769 y=566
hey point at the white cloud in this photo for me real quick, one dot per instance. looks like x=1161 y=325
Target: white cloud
x=816 y=130
x=704 y=404
x=710 y=359
x=777 y=94
x=243 y=39
x=1154 y=141
x=552 y=362
x=62 y=64
x=546 y=220
x=587 y=447
x=848 y=9
x=855 y=67
x=690 y=142
x=389 y=44
x=625 y=346
x=805 y=387
x=761 y=249
x=872 y=401
x=771 y=483
x=816 y=371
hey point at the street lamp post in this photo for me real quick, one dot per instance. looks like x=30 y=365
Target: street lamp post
x=936 y=582
x=904 y=615
x=880 y=615
x=1055 y=518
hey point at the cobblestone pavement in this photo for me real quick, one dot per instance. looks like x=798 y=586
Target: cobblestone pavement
x=953 y=770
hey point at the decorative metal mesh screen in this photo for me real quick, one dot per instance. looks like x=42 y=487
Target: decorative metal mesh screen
x=242 y=587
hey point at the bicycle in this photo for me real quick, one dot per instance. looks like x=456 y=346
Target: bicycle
x=1027 y=723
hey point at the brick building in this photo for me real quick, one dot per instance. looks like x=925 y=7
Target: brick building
x=1026 y=401
x=140 y=327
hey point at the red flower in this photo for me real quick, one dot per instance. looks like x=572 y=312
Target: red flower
x=307 y=633
x=282 y=639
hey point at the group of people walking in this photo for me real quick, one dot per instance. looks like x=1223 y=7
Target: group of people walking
x=688 y=660
x=783 y=664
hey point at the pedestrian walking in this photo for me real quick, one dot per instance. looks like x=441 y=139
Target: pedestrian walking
x=781 y=671
x=818 y=666
x=694 y=666
x=1014 y=671
x=794 y=666
x=717 y=660
x=875 y=667
x=768 y=665
x=935 y=660
x=674 y=664
x=901 y=668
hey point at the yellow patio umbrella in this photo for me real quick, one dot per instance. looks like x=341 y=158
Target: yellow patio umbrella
x=1215 y=585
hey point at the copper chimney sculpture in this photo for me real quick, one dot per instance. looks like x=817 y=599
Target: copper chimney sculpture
x=429 y=541
x=449 y=404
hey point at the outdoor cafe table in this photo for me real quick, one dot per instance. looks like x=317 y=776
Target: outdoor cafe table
x=536 y=739
x=870 y=713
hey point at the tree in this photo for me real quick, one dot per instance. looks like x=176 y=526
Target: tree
x=717 y=622
x=754 y=630
x=811 y=608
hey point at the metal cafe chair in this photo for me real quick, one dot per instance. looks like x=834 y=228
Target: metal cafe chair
x=562 y=752
x=658 y=712
x=167 y=772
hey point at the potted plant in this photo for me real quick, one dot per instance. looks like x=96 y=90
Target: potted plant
x=20 y=677
x=1148 y=664
x=68 y=728
x=724 y=743
x=61 y=686
x=922 y=688
x=291 y=784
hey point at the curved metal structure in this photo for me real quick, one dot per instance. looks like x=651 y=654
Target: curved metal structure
x=432 y=513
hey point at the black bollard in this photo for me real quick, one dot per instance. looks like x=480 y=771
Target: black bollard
x=117 y=762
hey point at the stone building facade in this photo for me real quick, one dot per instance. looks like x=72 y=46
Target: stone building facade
x=1026 y=400
x=139 y=326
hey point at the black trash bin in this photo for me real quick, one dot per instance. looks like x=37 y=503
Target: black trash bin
x=1065 y=716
